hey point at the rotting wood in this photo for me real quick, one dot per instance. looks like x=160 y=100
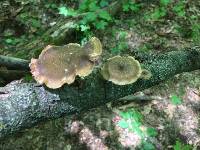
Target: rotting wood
x=23 y=105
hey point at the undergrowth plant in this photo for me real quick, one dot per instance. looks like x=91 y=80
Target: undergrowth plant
x=181 y=146
x=122 y=44
x=94 y=16
x=133 y=120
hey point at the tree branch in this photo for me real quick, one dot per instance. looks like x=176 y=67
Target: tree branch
x=23 y=105
x=14 y=63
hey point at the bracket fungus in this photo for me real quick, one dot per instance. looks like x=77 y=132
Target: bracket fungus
x=58 y=65
x=93 y=48
x=123 y=70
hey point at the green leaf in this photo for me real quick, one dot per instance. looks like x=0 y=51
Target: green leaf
x=122 y=34
x=105 y=15
x=179 y=9
x=165 y=2
x=181 y=13
x=115 y=50
x=137 y=116
x=135 y=7
x=23 y=15
x=90 y=17
x=158 y=13
x=50 y=5
x=9 y=41
x=123 y=124
x=83 y=6
x=35 y=23
x=12 y=41
x=181 y=146
x=123 y=45
x=136 y=128
x=100 y=24
x=93 y=6
x=84 y=27
x=176 y=100
x=125 y=115
x=147 y=146
x=103 y=3
x=125 y=7
x=28 y=78
x=152 y=132
x=196 y=31
x=66 y=12
x=53 y=6
x=177 y=146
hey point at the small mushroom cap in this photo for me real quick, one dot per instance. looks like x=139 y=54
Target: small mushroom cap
x=93 y=48
x=58 y=65
x=121 y=70
x=146 y=75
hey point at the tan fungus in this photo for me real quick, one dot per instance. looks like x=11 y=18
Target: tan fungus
x=58 y=65
x=121 y=70
x=93 y=48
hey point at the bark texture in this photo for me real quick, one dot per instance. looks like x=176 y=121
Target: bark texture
x=14 y=63
x=23 y=105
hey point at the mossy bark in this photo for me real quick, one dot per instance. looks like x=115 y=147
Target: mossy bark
x=23 y=105
x=14 y=63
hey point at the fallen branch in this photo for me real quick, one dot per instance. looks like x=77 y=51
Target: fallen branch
x=23 y=105
x=14 y=63
x=10 y=75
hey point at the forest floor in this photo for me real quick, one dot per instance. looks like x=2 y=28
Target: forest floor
x=170 y=120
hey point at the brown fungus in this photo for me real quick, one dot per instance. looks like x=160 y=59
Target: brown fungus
x=121 y=70
x=93 y=48
x=58 y=65
x=145 y=74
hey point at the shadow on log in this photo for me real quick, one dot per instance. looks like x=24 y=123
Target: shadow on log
x=22 y=105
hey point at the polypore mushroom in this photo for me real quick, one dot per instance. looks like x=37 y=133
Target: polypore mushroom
x=58 y=65
x=93 y=48
x=122 y=70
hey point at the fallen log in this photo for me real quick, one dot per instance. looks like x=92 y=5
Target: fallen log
x=22 y=105
x=14 y=63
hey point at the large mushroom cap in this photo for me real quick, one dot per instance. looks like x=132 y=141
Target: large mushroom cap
x=93 y=48
x=58 y=65
x=121 y=70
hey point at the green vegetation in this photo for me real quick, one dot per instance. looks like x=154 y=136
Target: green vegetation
x=181 y=146
x=176 y=100
x=132 y=120
x=121 y=45
x=129 y=5
x=137 y=26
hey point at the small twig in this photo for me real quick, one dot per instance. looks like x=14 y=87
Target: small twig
x=127 y=100
x=139 y=98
